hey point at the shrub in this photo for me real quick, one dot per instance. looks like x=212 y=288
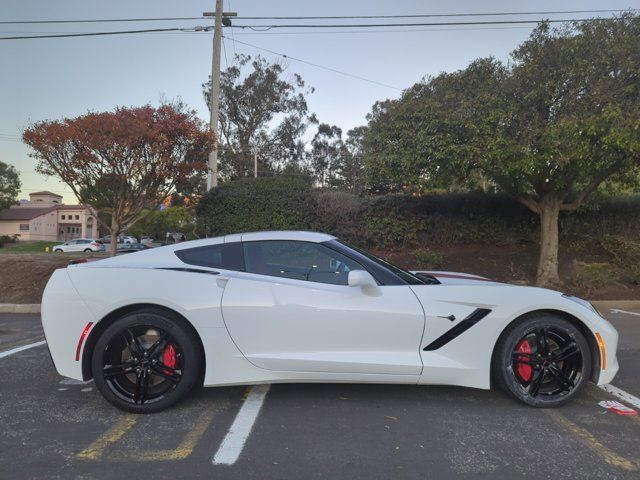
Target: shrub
x=4 y=239
x=425 y=258
x=253 y=204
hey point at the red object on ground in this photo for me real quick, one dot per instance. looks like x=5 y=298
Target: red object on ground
x=617 y=407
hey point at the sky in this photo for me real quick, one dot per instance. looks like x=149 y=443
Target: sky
x=65 y=77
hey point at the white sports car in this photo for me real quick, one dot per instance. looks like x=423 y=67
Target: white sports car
x=270 y=307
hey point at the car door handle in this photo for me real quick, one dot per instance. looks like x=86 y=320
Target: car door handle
x=222 y=281
x=450 y=317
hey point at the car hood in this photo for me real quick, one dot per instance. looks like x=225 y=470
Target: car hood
x=453 y=278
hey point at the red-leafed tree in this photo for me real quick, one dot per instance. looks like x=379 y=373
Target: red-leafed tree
x=122 y=162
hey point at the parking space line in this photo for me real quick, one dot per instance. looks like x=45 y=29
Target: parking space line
x=234 y=441
x=615 y=310
x=21 y=348
x=184 y=449
x=621 y=394
x=593 y=443
x=96 y=449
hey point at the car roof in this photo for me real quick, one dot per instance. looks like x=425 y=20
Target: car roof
x=285 y=235
x=163 y=256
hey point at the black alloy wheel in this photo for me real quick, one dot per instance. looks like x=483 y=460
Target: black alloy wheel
x=147 y=361
x=542 y=360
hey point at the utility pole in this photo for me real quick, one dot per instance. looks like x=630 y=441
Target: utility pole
x=214 y=94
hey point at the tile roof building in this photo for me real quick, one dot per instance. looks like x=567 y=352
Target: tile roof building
x=45 y=217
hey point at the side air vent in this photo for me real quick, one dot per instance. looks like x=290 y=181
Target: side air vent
x=464 y=325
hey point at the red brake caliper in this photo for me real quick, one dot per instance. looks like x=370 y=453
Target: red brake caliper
x=169 y=356
x=524 y=371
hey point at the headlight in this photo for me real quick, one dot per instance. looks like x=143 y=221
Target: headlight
x=582 y=302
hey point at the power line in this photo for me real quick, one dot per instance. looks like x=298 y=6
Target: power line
x=336 y=17
x=94 y=34
x=319 y=66
x=422 y=24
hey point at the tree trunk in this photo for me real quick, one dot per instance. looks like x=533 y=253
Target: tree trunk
x=549 y=211
x=114 y=231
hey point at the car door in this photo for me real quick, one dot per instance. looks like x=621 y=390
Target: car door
x=292 y=310
x=70 y=246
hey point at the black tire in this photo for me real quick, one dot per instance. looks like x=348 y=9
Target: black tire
x=87 y=250
x=542 y=360
x=129 y=358
x=57 y=250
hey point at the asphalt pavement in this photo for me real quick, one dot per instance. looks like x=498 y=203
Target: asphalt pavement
x=52 y=427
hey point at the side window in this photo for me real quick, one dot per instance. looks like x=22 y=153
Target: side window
x=227 y=256
x=308 y=261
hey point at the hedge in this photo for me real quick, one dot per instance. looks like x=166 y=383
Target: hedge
x=392 y=221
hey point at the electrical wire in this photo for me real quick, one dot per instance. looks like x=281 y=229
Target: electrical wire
x=422 y=24
x=94 y=34
x=333 y=17
x=284 y=55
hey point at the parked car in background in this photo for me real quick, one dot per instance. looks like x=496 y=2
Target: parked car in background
x=147 y=240
x=121 y=239
x=132 y=247
x=80 y=245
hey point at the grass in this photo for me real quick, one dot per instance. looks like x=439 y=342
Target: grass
x=34 y=246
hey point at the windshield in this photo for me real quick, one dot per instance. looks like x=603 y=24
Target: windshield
x=408 y=277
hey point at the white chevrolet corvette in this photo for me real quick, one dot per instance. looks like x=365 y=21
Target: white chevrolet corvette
x=271 y=307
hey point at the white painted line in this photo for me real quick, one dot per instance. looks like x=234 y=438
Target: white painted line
x=621 y=394
x=615 y=310
x=21 y=348
x=233 y=443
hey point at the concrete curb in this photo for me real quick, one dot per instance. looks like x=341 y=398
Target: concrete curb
x=19 y=308
x=602 y=305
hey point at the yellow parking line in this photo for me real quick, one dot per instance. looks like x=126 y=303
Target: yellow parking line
x=592 y=442
x=185 y=449
x=96 y=449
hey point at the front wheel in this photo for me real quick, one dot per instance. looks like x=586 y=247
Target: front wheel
x=542 y=360
x=147 y=361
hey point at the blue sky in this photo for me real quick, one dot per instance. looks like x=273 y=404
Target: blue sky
x=55 y=78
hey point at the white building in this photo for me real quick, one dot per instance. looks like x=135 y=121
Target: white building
x=45 y=217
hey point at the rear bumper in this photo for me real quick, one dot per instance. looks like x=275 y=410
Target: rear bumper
x=64 y=317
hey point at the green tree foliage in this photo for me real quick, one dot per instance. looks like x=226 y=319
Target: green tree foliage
x=9 y=185
x=158 y=222
x=260 y=111
x=264 y=203
x=548 y=129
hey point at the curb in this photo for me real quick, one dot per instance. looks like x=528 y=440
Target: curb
x=19 y=308
x=604 y=305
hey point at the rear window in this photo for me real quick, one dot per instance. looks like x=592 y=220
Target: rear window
x=227 y=256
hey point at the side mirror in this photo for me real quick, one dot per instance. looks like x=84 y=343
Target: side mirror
x=361 y=278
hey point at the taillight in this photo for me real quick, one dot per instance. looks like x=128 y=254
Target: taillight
x=95 y=244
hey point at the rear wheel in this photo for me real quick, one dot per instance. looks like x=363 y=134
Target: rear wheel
x=58 y=250
x=147 y=361
x=88 y=250
x=542 y=360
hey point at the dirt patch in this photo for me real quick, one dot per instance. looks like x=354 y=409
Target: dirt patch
x=23 y=276
x=587 y=274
